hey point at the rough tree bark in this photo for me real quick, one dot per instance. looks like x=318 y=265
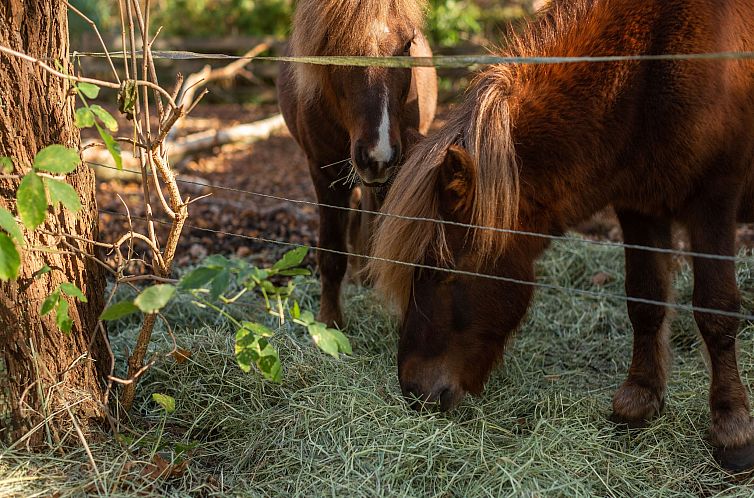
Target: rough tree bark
x=46 y=377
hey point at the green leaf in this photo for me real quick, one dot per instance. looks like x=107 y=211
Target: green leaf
x=112 y=146
x=166 y=402
x=295 y=272
x=84 y=118
x=118 y=310
x=89 y=90
x=62 y=318
x=254 y=349
x=154 y=298
x=324 y=339
x=291 y=259
x=198 y=278
x=258 y=329
x=107 y=119
x=220 y=284
x=296 y=311
x=42 y=271
x=63 y=193
x=8 y=223
x=307 y=317
x=73 y=291
x=10 y=260
x=218 y=261
x=31 y=199
x=344 y=345
x=6 y=164
x=57 y=159
x=49 y=303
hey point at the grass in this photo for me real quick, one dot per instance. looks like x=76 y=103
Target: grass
x=340 y=427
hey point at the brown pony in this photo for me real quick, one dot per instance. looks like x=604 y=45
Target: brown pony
x=370 y=115
x=539 y=148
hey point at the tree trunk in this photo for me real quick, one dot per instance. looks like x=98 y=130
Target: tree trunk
x=47 y=377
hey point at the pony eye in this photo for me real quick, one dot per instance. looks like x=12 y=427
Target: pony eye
x=407 y=48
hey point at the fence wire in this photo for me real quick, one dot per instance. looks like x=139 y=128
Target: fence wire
x=438 y=61
x=554 y=287
x=556 y=238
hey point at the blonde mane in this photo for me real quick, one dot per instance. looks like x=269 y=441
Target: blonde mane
x=346 y=27
x=483 y=124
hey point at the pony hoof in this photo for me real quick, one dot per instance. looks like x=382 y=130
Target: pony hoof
x=736 y=460
x=634 y=406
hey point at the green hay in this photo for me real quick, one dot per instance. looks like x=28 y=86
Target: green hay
x=341 y=427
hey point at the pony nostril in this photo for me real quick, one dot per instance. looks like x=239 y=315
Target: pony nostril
x=361 y=155
x=447 y=400
x=396 y=157
x=413 y=395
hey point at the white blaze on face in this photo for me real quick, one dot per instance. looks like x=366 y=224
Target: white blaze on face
x=383 y=151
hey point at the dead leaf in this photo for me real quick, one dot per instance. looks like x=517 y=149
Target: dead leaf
x=600 y=279
x=181 y=355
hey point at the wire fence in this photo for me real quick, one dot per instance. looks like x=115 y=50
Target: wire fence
x=448 y=62
x=554 y=287
x=562 y=238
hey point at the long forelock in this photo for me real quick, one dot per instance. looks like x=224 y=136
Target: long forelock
x=483 y=125
x=346 y=28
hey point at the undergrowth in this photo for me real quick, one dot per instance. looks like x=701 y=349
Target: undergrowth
x=340 y=427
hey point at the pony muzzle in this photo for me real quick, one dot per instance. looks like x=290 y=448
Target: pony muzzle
x=429 y=390
x=375 y=165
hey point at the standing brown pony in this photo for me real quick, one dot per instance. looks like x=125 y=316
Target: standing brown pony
x=540 y=148
x=368 y=114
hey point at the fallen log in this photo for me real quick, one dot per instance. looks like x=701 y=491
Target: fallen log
x=180 y=149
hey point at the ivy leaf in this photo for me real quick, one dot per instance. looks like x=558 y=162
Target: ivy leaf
x=49 y=303
x=112 y=146
x=291 y=259
x=107 y=119
x=62 y=318
x=89 y=90
x=63 y=193
x=118 y=310
x=198 y=278
x=154 y=298
x=31 y=199
x=258 y=329
x=255 y=349
x=84 y=118
x=73 y=291
x=57 y=159
x=8 y=223
x=6 y=164
x=10 y=260
x=329 y=340
x=166 y=402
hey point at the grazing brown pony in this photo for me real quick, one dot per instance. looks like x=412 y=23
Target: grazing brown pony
x=370 y=115
x=540 y=148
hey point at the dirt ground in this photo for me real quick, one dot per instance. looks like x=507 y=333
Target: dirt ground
x=274 y=167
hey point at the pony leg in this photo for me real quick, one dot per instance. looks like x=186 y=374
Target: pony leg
x=333 y=228
x=642 y=396
x=732 y=431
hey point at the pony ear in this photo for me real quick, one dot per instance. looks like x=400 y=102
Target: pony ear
x=456 y=184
